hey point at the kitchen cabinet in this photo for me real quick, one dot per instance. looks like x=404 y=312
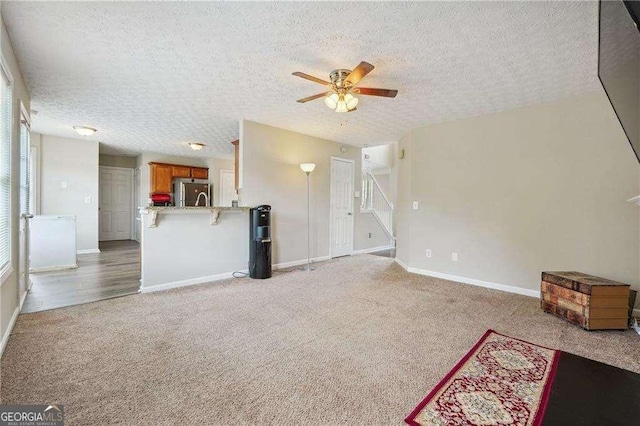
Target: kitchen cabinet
x=236 y=164
x=161 y=176
x=199 y=173
x=181 y=171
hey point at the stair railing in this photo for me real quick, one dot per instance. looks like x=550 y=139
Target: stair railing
x=376 y=202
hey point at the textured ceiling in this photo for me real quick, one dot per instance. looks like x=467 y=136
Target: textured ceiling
x=154 y=76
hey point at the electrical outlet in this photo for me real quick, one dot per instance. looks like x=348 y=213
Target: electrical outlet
x=428 y=253
x=370 y=234
x=87 y=200
x=454 y=257
x=416 y=205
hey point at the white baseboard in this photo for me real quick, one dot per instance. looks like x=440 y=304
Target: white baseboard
x=223 y=276
x=473 y=281
x=185 y=283
x=7 y=333
x=401 y=263
x=88 y=251
x=12 y=323
x=371 y=250
x=300 y=262
x=22 y=299
x=53 y=268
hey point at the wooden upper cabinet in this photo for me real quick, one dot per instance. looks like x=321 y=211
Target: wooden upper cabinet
x=161 y=176
x=236 y=164
x=181 y=171
x=199 y=173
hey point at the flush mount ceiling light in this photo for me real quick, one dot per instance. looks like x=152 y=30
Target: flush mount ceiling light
x=84 y=130
x=342 y=90
x=196 y=146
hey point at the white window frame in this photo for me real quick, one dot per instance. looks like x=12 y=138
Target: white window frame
x=25 y=168
x=7 y=269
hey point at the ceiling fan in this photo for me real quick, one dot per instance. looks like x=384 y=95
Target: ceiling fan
x=341 y=96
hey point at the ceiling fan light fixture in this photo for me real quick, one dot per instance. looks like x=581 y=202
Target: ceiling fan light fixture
x=331 y=101
x=351 y=101
x=342 y=105
x=343 y=88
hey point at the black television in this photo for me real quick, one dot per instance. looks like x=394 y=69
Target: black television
x=619 y=63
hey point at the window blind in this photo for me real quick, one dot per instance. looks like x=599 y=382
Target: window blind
x=5 y=172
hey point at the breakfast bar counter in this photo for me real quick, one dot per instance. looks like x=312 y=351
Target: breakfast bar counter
x=214 y=211
x=180 y=247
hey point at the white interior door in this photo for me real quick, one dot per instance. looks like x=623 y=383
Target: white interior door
x=342 y=173
x=116 y=195
x=227 y=187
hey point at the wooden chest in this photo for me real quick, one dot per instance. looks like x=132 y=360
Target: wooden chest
x=591 y=302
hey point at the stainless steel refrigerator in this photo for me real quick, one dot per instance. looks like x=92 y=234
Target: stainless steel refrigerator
x=191 y=192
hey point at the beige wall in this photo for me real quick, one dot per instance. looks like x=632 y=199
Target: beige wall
x=402 y=209
x=522 y=191
x=75 y=162
x=117 y=161
x=271 y=175
x=10 y=293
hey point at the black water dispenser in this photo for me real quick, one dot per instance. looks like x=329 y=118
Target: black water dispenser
x=260 y=242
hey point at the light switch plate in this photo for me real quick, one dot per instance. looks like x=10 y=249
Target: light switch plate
x=63 y=185
x=416 y=205
x=454 y=257
x=87 y=200
x=428 y=253
x=356 y=194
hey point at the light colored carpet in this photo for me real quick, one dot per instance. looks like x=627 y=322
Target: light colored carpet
x=358 y=341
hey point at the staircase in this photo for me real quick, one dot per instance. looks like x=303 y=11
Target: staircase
x=375 y=202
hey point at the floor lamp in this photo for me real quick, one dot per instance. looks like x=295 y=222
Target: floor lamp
x=308 y=168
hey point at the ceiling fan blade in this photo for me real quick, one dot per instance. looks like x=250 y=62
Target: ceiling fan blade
x=359 y=72
x=387 y=93
x=311 y=98
x=311 y=78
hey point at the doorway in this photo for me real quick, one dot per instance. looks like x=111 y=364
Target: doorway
x=342 y=206
x=227 y=188
x=115 y=204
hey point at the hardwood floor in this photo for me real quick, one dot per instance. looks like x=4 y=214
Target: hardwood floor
x=113 y=272
x=385 y=253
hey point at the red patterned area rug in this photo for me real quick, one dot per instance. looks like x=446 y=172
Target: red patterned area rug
x=501 y=381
